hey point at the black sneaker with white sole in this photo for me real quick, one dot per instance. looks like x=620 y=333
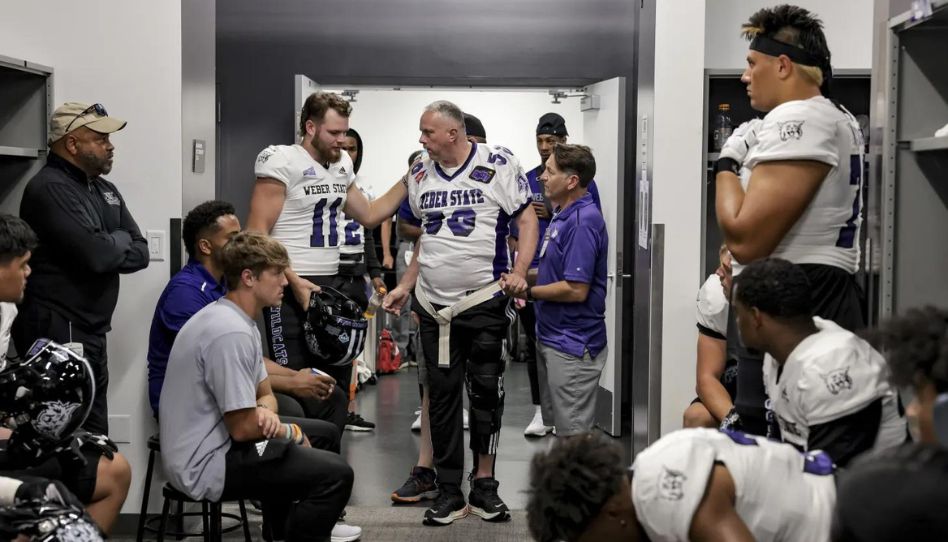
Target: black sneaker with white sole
x=447 y=508
x=355 y=422
x=485 y=502
x=421 y=485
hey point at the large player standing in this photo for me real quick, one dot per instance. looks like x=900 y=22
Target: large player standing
x=789 y=186
x=299 y=198
x=465 y=194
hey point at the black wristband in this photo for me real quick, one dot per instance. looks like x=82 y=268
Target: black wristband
x=530 y=294
x=727 y=164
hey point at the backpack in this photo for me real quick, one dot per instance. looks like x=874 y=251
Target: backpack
x=388 y=359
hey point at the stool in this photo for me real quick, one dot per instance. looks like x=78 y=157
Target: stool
x=154 y=447
x=211 y=516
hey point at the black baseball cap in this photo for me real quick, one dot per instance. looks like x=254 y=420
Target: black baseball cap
x=552 y=124
x=473 y=126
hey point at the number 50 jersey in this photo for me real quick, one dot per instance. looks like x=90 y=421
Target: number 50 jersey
x=308 y=225
x=465 y=215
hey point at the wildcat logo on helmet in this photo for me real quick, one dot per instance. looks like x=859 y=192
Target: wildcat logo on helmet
x=54 y=418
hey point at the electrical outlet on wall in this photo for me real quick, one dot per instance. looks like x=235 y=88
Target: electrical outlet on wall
x=156 y=245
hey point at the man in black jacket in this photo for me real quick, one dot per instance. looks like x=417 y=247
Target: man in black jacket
x=87 y=237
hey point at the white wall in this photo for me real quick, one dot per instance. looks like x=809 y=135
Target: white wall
x=847 y=24
x=125 y=54
x=388 y=119
x=676 y=200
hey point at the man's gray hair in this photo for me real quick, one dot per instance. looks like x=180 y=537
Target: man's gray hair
x=449 y=110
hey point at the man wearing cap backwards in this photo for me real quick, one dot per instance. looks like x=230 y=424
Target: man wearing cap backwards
x=551 y=131
x=788 y=186
x=87 y=238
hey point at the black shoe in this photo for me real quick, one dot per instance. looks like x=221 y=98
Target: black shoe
x=448 y=508
x=356 y=423
x=421 y=485
x=485 y=502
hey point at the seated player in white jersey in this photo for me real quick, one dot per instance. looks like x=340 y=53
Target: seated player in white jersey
x=693 y=484
x=299 y=198
x=828 y=387
x=789 y=186
x=913 y=478
x=716 y=375
x=465 y=195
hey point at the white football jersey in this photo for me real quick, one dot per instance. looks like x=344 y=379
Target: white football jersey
x=829 y=375
x=8 y=312
x=308 y=225
x=465 y=216
x=781 y=494
x=817 y=130
x=351 y=232
x=712 y=306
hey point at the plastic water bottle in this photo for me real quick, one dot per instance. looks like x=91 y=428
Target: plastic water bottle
x=722 y=126
x=374 y=303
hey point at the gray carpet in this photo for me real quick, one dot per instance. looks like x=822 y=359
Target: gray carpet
x=391 y=524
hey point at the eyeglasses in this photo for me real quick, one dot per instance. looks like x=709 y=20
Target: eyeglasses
x=98 y=108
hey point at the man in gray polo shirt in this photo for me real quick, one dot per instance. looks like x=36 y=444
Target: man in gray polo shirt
x=220 y=435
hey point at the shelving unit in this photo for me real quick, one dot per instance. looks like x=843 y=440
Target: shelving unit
x=850 y=87
x=913 y=202
x=26 y=92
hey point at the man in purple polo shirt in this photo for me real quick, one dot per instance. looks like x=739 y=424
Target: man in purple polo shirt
x=551 y=131
x=570 y=293
x=207 y=228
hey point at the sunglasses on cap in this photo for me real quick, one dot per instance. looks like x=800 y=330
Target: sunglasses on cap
x=98 y=108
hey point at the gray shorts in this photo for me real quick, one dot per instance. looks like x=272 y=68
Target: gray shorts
x=568 y=400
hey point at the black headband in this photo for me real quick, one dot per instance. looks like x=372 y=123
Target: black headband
x=772 y=47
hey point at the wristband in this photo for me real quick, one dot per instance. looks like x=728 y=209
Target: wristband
x=727 y=164
x=530 y=293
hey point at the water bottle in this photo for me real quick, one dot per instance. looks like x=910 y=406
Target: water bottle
x=722 y=126
x=374 y=303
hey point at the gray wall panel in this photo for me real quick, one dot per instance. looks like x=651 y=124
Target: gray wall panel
x=260 y=46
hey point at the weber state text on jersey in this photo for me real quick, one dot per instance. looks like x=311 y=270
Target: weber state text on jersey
x=465 y=214
x=308 y=225
x=780 y=493
x=817 y=130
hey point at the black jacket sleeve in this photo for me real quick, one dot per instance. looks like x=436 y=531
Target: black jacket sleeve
x=136 y=258
x=57 y=215
x=372 y=263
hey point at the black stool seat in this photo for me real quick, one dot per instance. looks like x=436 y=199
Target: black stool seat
x=210 y=513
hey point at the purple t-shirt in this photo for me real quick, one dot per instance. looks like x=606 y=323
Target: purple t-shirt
x=575 y=250
x=533 y=177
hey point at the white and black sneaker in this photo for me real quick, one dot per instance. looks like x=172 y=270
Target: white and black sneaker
x=485 y=502
x=355 y=422
x=447 y=508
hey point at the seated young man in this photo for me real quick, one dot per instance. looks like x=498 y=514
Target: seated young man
x=716 y=378
x=220 y=435
x=102 y=483
x=913 y=478
x=693 y=484
x=206 y=229
x=828 y=387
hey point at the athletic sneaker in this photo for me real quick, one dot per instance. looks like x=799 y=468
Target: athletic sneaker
x=355 y=422
x=421 y=485
x=345 y=533
x=464 y=410
x=537 y=427
x=485 y=502
x=448 y=508
x=416 y=425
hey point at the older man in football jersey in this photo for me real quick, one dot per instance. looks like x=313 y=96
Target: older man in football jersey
x=301 y=196
x=465 y=194
x=829 y=388
x=789 y=185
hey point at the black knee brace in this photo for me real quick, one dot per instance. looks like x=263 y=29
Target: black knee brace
x=485 y=383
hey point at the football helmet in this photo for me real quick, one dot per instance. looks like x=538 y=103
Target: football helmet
x=44 y=399
x=335 y=328
x=48 y=521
